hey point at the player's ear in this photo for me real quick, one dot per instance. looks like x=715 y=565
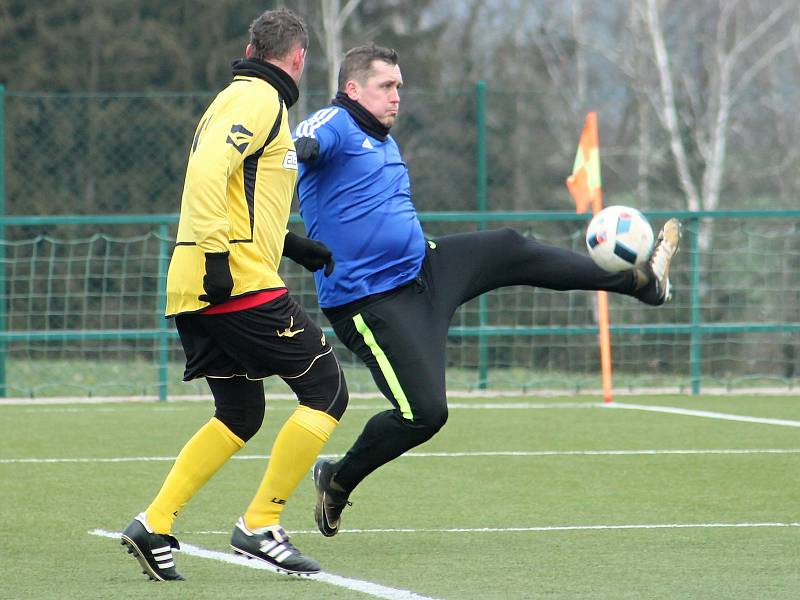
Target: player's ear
x=249 y=51
x=352 y=89
x=299 y=58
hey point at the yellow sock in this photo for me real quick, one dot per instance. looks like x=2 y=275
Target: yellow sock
x=201 y=457
x=296 y=447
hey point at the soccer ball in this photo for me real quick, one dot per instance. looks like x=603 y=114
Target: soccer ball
x=619 y=238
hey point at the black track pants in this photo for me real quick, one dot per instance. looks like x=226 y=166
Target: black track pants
x=402 y=335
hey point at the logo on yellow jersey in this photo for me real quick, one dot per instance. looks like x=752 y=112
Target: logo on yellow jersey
x=290 y=160
x=239 y=137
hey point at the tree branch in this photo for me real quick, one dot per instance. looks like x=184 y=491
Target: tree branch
x=346 y=12
x=744 y=80
x=747 y=41
x=670 y=117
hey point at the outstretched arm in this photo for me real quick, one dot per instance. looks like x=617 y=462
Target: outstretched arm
x=317 y=138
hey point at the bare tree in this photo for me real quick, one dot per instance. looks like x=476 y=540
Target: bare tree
x=334 y=18
x=744 y=42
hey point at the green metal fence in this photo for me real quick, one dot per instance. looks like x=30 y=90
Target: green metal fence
x=487 y=322
x=82 y=293
x=2 y=237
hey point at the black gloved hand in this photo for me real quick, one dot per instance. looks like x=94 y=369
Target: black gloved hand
x=307 y=149
x=311 y=254
x=217 y=282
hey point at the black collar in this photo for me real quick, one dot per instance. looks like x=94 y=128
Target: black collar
x=365 y=119
x=275 y=76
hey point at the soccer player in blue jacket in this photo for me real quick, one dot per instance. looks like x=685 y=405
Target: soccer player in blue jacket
x=393 y=294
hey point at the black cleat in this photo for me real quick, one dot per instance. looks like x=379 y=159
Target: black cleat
x=272 y=546
x=152 y=550
x=330 y=502
x=653 y=276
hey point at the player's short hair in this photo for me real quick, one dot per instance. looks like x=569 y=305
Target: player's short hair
x=275 y=32
x=357 y=63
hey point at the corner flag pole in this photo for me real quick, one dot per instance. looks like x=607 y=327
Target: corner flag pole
x=586 y=188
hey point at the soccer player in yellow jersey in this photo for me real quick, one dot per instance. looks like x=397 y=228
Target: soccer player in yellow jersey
x=236 y=321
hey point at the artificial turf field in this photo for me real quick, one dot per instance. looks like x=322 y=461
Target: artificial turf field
x=514 y=498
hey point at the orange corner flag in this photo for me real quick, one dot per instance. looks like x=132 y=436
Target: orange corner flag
x=585 y=186
x=584 y=183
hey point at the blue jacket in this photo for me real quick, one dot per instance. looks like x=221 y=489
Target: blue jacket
x=356 y=198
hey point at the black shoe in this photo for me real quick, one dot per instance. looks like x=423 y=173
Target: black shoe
x=653 y=276
x=273 y=547
x=330 y=502
x=152 y=550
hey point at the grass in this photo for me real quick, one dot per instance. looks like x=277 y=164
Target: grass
x=48 y=508
x=138 y=377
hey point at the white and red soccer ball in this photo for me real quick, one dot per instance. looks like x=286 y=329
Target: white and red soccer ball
x=619 y=238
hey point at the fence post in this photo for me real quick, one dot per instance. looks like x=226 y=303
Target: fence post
x=695 y=356
x=3 y=300
x=483 y=308
x=161 y=323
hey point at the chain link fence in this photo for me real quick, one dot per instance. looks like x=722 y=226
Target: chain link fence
x=84 y=297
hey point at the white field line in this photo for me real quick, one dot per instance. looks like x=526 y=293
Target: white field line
x=274 y=396
x=365 y=587
x=499 y=453
x=705 y=413
x=514 y=393
x=533 y=529
x=350 y=407
x=484 y=406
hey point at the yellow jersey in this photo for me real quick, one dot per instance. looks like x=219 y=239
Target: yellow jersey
x=238 y=190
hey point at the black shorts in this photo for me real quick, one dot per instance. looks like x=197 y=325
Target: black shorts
x=276 y=338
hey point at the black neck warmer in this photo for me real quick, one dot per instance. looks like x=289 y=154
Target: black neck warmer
x=365 y=119
x=275 y=76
